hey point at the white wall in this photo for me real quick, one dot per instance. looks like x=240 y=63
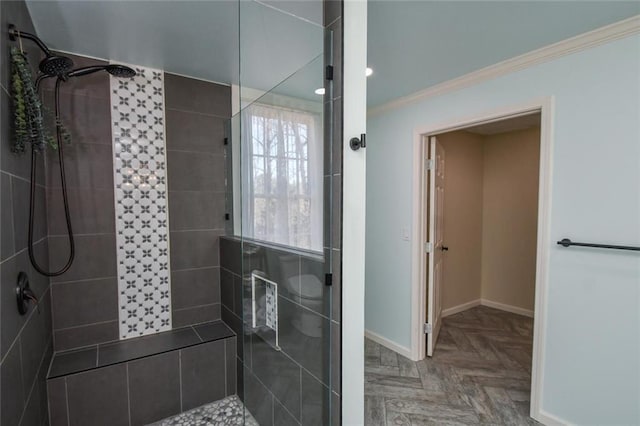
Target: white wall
x=592 y=353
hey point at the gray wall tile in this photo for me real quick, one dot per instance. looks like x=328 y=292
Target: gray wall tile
x=86 y=166
x=77 y=337
x=312 y=281
x=92 y=211
x=95 y=256
x=258 y=399
x=32 y=415
x=235 y=324
x=187 y=131
x=57 y=392
x=33 y=341
x=20 y=190
x=315 y=402
x=230 y=360
x=85 y=302
x=312 y=352
x=196 y=315
x=6 y=218
x=195 y=287
x=227 y=290
x=278 y=373
x=281 y=416
x=11 y=388
x=192 y=210
x=231 y=254
x=187 y=94
x=154 y=396
x=87 y=118
x=42 y=381
x=10 y=320
x=194 y=249
x=99 y=397
x=195 y=171
x=39 y=283
x=203 y=374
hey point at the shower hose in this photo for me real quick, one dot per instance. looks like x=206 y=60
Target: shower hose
x=65 y=198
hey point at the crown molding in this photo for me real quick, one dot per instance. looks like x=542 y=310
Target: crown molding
x=569 y=46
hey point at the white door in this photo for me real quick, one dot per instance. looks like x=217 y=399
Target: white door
x=435 y=247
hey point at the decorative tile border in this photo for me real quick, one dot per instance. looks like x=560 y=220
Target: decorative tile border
x=142 y=223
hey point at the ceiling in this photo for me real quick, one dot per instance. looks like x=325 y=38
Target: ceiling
x=199 y=39
x=413 y=45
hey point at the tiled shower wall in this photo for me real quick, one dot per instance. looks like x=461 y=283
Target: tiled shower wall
x=25 y=341
x=85 y=299
x=290 y=386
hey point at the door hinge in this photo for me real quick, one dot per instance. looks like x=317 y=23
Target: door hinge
x=328 y=75
x=428 y=247
x=328 y=279
x=226 y=141
x=428 y=164
x=427 y=328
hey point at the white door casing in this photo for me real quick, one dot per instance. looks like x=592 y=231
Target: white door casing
x=435 y=255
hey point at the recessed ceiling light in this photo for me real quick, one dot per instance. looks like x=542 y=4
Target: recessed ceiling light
x=320 y=91
x=368 y=72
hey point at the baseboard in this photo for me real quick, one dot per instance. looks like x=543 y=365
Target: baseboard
x=460 y=308
x=550 y=420
x=406 y=352
x=484 y=302
x=507 y=308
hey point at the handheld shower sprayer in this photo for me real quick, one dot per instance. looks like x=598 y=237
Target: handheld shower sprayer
x=60 y=67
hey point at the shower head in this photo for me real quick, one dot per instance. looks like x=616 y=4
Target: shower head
x=120 y=71
x=115 y=70
x=55 y=66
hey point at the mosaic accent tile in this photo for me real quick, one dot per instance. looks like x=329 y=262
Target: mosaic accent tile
x=226 y=412
x=138 y=129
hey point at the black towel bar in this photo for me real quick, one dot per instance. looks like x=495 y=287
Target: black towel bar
x=568 y=243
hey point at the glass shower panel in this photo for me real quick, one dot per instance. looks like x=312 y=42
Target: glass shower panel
x=283 y=197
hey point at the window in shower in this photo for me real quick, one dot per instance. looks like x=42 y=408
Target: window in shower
x=283 y=195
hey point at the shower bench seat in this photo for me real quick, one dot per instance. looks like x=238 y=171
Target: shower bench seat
x=141 y=380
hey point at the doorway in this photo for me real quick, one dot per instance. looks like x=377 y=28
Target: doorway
x=431 y=302
x=482 y=193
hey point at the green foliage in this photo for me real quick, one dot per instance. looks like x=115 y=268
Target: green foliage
x=28 y=110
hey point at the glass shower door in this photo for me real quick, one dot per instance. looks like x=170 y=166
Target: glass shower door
x=285 y=218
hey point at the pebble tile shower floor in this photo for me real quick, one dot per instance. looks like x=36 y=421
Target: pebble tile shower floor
x=225 y=412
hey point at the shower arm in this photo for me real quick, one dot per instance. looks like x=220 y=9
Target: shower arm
x=14 y=33
x=79 y=72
